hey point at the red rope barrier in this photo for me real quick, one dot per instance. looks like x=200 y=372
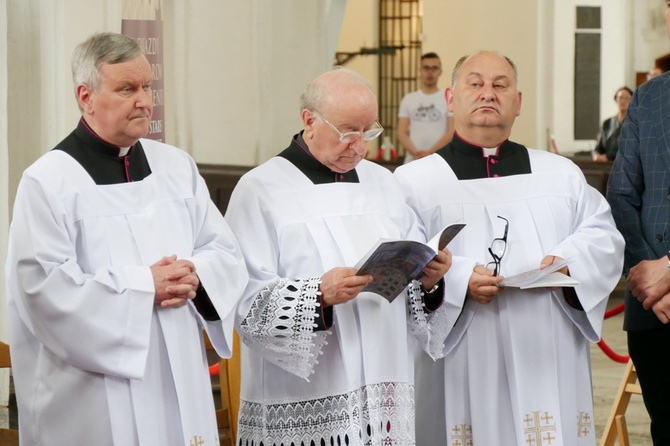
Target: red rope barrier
x=606 y=348
x=611 y=353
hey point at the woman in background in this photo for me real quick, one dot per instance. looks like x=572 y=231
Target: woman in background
x=608 y=138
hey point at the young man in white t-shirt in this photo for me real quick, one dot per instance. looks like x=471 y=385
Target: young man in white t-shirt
x=424 y=123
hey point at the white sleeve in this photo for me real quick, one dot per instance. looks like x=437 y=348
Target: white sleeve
x=280 y=325
x=276 y=316
x=98 y=322
x=220 y=267
x=596 y=249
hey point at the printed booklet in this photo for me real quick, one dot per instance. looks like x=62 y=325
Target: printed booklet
x=394 y=263
x=540 y=278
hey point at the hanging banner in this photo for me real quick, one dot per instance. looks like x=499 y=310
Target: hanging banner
x=143 y=21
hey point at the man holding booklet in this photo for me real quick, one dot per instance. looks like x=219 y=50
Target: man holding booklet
x=324 y=362
x=516 y=370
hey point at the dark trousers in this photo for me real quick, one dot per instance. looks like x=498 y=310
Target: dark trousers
x=650 y=352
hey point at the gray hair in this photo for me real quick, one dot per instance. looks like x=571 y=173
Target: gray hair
x=457 y=67
x=99 y=49
x=316 y=92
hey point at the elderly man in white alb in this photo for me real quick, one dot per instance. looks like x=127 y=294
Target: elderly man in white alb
x=324 y=362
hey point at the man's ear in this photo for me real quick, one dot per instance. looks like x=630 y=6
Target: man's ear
x=449 y=97
x=308 y=120
x=85 y=98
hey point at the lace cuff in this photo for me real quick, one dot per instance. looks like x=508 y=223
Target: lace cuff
x=280 y=325
x=429 y=329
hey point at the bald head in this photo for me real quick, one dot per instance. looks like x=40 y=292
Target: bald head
x=327 y=90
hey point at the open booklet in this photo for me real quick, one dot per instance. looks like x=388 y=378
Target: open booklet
x=541 y=278
x=394 y=263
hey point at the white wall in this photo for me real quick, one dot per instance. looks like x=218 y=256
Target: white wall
x=235 y=71
x=360 y=29
x=4 y=171
x=4 y=195
x=651 y=38
x=545 y=73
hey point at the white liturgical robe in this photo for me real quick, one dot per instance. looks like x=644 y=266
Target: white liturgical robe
x=517 y=370
x=353 y=383
x=96 y=362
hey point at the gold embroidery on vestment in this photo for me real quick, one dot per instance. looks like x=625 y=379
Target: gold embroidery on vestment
x=583 y=424
x=461 y=435
x=539 y=429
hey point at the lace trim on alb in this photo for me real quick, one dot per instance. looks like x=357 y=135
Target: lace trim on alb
x=281 y=324
x=430 y=330
x=379 y=414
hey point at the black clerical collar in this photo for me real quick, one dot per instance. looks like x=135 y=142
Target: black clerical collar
x=468 y=161
x=299 y=155
x=101 y=159
x=96 y=143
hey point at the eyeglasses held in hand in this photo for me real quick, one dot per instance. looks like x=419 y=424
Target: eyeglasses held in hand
x=497 y=249
x=349 y=137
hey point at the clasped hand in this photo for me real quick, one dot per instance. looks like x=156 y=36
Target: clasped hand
x=649 y=282
x=175 y=281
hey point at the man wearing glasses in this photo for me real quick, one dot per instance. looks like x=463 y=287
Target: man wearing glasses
x=516 y=370
x=424 y=123
x=323 y=362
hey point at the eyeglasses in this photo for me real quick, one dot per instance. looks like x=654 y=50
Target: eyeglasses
x=497 y=249
x=349 y=137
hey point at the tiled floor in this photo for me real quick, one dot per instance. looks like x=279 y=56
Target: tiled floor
x=607 y=376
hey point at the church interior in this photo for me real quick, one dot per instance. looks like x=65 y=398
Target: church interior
x=229 y=75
